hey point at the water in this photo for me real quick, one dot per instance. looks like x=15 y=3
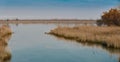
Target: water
x=30 y=44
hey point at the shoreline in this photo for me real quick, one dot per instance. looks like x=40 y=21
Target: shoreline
x=48 y=21
x=5 y=34
x=105 y=38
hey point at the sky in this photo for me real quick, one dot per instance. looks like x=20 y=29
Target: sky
x=55 y=9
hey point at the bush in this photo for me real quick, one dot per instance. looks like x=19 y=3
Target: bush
x=99 y=22
x=112 y=17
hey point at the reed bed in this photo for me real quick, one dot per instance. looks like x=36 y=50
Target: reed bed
x=5 y=30
x=106 y=36
x=5 y=34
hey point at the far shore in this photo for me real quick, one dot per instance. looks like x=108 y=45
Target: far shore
x=64 y=21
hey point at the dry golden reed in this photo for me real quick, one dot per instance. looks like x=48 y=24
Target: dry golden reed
x=106 y=36
x=5 y=34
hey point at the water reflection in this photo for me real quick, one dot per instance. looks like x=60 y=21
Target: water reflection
x=111 y=51
x=5 y=54
x=45 y=48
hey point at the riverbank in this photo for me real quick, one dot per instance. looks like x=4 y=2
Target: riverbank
x=5 y=34
x=105 y=36
x=5 y=30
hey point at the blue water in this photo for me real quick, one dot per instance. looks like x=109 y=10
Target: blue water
x=30 y=44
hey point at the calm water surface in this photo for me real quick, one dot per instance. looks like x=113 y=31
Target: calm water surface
x=30 y=44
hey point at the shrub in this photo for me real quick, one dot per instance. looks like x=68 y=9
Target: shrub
x=99 y=22
x=112 y=17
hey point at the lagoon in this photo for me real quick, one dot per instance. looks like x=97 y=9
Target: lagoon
x=29 y=43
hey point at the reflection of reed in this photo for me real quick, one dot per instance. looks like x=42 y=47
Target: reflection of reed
x=110 y=50
x=5 y=34
x=94 y=45
x=89 y=44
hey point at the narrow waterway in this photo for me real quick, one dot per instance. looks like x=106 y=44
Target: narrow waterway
x=29 y=43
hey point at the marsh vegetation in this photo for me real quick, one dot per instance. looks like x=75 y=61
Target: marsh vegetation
x=5 y=34
x=106 y=36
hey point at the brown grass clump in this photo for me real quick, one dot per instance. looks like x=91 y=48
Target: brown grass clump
x=5 y=30
x=5 y=34
x=106 y=36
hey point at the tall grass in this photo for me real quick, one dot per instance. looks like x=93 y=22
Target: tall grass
x=106 y=36
x=5 y=34
x=5 y=30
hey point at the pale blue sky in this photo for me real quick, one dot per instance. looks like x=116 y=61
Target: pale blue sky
x=49 y=9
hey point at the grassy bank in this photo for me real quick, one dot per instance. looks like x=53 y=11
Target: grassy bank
x=5 y=30
x=5 y=34
x=106 y=36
